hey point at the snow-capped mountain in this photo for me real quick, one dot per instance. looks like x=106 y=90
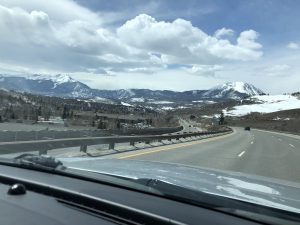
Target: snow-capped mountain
x=233 y=90
x=58 y=85
x=65 y=86
x=57 y=79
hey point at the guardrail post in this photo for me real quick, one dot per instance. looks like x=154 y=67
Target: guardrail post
x=83 y=148
x=111 y=146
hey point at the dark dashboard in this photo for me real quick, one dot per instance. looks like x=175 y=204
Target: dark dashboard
x=56 y=199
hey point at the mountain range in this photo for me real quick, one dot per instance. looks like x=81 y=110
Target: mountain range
x=64 y=86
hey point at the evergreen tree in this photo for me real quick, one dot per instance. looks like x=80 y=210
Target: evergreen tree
x=65 y=112
x=221 y=119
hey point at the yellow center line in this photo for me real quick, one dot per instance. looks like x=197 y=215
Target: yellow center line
x=175 y=146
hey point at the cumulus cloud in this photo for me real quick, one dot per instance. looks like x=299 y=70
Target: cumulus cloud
x=247 y=39
x=204 y=70
x=180 y=42
x=293 y=45
x=61 y=11
x=36 y=39
x=66 y=37
x=223 y=32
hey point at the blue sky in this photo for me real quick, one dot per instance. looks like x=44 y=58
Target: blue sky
x=276 y=20
x=167 y=44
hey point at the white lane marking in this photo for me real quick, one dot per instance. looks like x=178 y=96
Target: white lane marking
x=251 y=142
x=292 y=145
x=241 y=154
x=279 y=139
x=280 y=133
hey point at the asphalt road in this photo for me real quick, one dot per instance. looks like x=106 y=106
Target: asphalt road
x=255 y=152
x=189 y=126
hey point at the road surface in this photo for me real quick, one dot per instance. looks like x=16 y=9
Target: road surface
x=256 y=152
x=189 y=126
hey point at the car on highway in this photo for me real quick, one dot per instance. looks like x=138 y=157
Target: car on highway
x=247 y=128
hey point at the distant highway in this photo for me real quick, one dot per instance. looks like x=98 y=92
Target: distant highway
x=188 y=126
x=256 y=152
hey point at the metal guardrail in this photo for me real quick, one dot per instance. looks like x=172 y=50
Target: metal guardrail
x=11 y=136
x=146 y=131
x=42 y=146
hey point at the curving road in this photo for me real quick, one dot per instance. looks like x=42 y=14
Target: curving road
x=256 y=152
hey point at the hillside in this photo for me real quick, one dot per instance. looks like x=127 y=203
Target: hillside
x=265 y=104
x=270 y=112
x=285 y=121
x=15 y=106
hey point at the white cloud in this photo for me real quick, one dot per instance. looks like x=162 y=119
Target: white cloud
x=19 y=26
x=37 y=40
x=247 y=40
x=204 y=70
x=163 y=80
x=179 y=41
x=277 y=70
x=62 y=36
x=60 y=11
x=293 y=45
x=223 y=32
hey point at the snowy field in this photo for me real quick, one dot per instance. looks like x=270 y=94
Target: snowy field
x=137 y=100
x=266 y=104
x=161 y=102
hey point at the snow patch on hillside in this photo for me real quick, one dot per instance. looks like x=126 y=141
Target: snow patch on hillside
x=239 y=86
x=266 y=104
x=232 y=89
x=161 y=102
x=167 y=108
x=204 y=101
x=125 y=104
x=57 y=79
x=137 y=99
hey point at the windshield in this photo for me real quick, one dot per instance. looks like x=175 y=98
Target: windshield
x=201 y=94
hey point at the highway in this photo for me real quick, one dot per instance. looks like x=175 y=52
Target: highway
x=255 y=152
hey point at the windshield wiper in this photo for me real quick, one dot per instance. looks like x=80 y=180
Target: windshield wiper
x=41 y=162
x=178 y=192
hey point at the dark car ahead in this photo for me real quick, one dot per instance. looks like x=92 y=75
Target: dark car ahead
x=247 y=128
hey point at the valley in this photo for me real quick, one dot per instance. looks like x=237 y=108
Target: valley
x=63 y=101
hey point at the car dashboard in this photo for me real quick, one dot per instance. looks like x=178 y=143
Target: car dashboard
x=56 y=199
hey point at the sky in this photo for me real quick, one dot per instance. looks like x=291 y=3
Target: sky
x=166 y=44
